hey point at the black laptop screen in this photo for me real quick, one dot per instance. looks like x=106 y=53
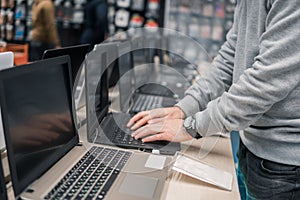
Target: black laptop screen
x=126 y=80
x=38 y=117
x=77 y=55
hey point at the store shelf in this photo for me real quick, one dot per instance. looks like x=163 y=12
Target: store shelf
x=205 y=21
x=126 y=14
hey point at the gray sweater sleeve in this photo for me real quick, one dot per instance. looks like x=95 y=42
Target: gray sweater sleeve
x=214 y=79
x=274 y=74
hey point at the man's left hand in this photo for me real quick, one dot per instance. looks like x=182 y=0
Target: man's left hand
x=162 y=129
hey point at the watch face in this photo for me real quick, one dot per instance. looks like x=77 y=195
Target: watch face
x=190 y=126
x=188 y=122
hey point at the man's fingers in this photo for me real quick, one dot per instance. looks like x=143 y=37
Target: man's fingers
x=136 y=118
x=157 y=120
x=146 y=131
x=141 y=122
x=156 y=137
x=143 y=117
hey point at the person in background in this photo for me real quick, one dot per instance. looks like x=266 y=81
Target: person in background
x=44 y=31
x=95 y=22
x=254 y=86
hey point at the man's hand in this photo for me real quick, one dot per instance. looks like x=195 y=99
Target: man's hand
x=163 y=129
x=143 y=118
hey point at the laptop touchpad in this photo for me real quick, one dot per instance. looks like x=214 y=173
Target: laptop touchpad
x=138 y=185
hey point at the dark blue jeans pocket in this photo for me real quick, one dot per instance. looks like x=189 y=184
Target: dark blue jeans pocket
x=273 y=168
x=268 y=180
x=274 y=181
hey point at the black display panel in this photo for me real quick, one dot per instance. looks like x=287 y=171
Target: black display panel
x=77 y=55
x=38 y=116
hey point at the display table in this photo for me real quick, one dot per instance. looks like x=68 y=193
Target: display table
x=215 y=151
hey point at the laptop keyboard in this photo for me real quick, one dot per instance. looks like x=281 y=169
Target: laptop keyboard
x=122 y=138
x=121 y=133
x=92 y=176
x=147 y=102
x=156 y=89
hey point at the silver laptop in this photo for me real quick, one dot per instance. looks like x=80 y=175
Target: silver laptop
x=100 y=119
x=143 y=85
x=45 y=157
x=6 y=61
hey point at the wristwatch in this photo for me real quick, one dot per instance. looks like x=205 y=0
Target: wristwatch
x=190 y=126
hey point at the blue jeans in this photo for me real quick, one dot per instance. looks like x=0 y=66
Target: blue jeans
x=268 y=180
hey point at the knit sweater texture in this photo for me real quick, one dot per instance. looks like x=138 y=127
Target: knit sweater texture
x=253 y=85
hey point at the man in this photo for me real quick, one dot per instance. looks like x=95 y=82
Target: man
x=254 y=86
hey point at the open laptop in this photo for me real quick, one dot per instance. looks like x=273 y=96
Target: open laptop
x=46 y=159
x=99 y=118
x=139 y=89
x=77 y=55
x=6 y=61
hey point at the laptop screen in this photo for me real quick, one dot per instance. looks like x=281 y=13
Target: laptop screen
x=7 y=61
x=97 y=102
x=77 y=55
x=126 y=80
x=38 y=117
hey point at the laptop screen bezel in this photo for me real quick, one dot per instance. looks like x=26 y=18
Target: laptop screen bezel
x=104 y=55
x=72 y=51
x=7 y=61
x=20 y=185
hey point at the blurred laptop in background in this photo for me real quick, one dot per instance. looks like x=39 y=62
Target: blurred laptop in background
x=6 y=61
x=77 y=55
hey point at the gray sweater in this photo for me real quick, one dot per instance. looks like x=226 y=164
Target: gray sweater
x=254 y=83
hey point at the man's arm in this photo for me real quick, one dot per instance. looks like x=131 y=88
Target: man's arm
x=274 y=74
x=218 y=78
x=215 y=79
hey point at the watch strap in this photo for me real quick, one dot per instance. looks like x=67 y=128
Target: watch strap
x=191 y=127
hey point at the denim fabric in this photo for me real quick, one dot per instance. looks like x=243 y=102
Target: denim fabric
x=268 y=180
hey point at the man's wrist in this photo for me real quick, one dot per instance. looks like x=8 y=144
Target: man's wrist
x=188 y=105
x=182 y=114
x=190 y=126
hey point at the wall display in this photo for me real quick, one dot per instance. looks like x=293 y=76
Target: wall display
x=7 y=19
x=69 y=15
x=20 y=30
x=206 y=21
x=126 y=14
x=16 y=20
